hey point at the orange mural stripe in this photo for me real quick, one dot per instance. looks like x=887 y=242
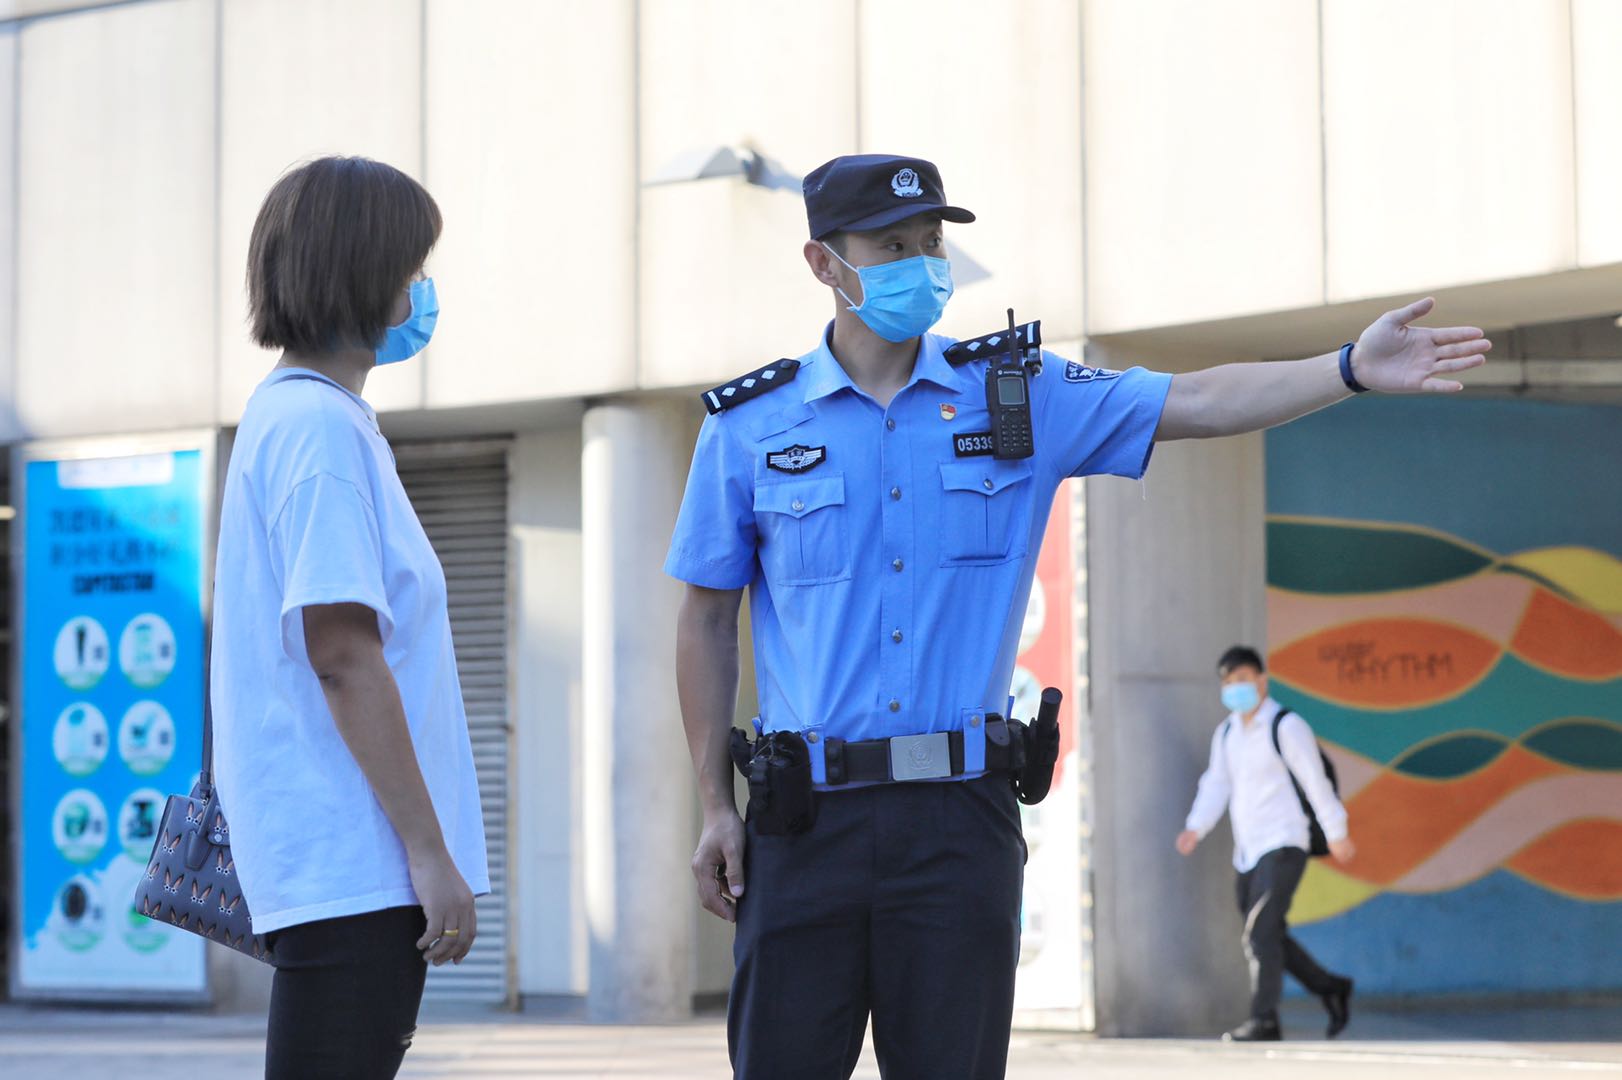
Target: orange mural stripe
x=1490 y=604
x=1388 y=663
x=1562 y=637
x=1583 y=859
x=1399 y=821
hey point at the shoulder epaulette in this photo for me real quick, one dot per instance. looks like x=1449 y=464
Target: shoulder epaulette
x=752 y=385
x=1027 y=336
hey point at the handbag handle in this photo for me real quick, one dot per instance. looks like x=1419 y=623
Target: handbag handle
x=205 y=775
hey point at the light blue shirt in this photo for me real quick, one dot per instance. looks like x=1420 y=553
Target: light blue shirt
x=888 y=576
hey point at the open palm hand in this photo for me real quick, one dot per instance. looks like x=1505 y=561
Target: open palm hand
x=1394 y=356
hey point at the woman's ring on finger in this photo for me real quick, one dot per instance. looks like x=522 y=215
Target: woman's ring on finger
x=450 y=933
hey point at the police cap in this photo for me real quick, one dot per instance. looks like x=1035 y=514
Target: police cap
x=869 y=191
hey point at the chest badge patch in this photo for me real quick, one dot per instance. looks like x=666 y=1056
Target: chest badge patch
x=797 y=458
x=1074 y=372
x=948 y=412
x=973 y=444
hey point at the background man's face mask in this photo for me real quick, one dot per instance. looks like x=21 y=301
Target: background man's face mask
x=408 y=339
x=1241 y=697
x=902 y=299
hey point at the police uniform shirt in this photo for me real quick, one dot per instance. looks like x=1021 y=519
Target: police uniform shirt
x=889 y=573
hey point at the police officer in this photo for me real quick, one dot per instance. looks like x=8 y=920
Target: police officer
x=888 y=556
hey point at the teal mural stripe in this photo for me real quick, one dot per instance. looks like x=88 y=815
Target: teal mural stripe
x=1452 y=757
x=1511 y=701
x=1579 y=743
x=1340 y=559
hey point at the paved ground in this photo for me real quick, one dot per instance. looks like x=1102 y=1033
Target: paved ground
x=84 y=1044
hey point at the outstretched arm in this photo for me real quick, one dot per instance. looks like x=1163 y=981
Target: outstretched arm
x=1392 y=356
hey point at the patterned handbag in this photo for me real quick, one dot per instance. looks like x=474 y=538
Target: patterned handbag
x=190 y=881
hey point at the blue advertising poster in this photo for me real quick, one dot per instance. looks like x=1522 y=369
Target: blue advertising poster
x=111 y=685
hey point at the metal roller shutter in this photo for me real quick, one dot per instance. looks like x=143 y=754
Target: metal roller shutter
x=459 y=490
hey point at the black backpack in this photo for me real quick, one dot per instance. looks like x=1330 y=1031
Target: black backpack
x=1319 y=845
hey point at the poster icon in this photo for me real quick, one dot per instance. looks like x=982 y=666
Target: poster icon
x=138 y=822
x=82 y=652
x=79 y=826
x=146 y=650
x=146 y=738
x=77 y=917
x=80 y=739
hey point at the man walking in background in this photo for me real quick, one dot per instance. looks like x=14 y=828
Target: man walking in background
x=1266 y=771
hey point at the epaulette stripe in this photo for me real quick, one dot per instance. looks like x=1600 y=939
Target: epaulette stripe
x=1026 y=336
x=749 y=386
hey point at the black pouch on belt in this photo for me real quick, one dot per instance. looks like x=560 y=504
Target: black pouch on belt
x=1035 y=777
x=778 y=768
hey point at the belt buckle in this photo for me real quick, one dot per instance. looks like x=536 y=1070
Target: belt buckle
x=920 y=757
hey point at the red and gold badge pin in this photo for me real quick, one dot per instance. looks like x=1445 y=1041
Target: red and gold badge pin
x=948 y=412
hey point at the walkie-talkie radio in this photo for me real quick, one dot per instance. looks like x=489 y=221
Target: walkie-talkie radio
x=1008 y=400
x=1008 y=386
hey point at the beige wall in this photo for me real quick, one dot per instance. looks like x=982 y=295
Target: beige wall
x=116 y=181
x=1204 y=178
x=298 y=79
x=1261 y=168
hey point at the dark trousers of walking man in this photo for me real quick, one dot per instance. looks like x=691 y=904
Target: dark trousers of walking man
x=1264 y=893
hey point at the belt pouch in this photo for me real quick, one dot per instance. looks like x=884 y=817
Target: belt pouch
x=781 y=800
x=1035 y=777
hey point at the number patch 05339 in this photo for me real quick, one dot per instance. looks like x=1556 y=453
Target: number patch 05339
x=973 y=444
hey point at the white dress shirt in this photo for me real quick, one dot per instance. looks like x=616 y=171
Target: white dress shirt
x=1247 y=778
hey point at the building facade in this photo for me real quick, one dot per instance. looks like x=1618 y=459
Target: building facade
x=1162 y=182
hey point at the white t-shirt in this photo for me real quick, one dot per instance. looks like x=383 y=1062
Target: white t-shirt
x=313 y=513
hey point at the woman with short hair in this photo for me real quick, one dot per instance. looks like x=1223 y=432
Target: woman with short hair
x=342 y=752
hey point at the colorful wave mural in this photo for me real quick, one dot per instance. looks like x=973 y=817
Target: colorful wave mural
x=1464 y=671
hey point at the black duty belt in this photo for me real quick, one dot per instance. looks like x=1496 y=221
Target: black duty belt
x=920 y=757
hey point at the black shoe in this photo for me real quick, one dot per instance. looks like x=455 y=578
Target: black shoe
x=1253 y=1030
x=1338 y=1002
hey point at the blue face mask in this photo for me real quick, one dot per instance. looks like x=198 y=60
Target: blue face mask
x=901 y=300
x=408 y=339
x=1241 y=697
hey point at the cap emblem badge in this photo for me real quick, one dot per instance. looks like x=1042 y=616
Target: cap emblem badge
x=906 y=184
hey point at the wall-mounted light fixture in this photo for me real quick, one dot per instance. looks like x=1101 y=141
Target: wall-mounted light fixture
x=715 y=162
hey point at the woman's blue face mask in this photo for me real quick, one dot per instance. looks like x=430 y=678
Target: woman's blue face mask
x=902 y=299
x=408 y=339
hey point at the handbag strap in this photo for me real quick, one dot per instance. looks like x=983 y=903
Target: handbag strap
x=205 y=776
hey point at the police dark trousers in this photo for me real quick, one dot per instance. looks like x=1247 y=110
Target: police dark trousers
x=1264 y=893
x=343 y=1001
x=902 y=900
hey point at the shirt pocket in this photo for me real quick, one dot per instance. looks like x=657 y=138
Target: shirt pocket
x=985 y=511
x=803 y=531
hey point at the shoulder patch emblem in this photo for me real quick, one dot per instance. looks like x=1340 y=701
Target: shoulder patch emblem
x=797 y=458
x=752 y=385
x=1074 y=372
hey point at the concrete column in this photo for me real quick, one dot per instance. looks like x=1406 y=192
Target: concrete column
x=1176 y=572
x=636 y=780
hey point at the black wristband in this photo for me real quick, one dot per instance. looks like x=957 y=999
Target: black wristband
x=1346 y=370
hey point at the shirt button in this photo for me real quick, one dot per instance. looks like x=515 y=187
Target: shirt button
x=974 y=721
x=986 y=482
x=890 y=424
x=895 y=493
x=897 y=565
x=812 y=737
x=895 y=635
x=797 y=505
x=895 y=706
